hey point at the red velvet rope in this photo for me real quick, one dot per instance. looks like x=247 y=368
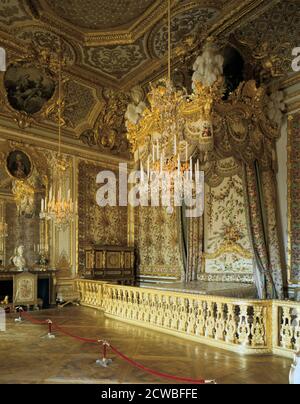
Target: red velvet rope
x=68 y=334
x=32 y=319
x=120 y=354
x=154 y=372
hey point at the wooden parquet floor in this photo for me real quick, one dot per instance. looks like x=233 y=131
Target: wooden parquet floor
x=27 y=357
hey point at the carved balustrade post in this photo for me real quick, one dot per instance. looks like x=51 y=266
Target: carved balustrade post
x=220 y=322
x=258 y=328
x=244 y=329
x=191 y=319
x=286 y=330
x=210 y=320
x=201 y=318
x=231 y=324
x=297 y=329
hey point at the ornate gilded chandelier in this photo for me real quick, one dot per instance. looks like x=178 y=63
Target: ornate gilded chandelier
x=58 y=205
x=172 y=129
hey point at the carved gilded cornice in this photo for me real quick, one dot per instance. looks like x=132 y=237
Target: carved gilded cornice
x=233 y=14
x=121 y=35
x=290 y=81
x=294 y=106
x=38 y=137
x=237 y=13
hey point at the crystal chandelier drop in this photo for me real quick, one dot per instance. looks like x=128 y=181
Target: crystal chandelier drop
x=58 y=205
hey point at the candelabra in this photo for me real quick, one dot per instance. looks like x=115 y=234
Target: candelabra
x=58 y=207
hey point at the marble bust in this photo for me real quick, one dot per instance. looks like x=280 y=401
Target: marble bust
x=19 y=260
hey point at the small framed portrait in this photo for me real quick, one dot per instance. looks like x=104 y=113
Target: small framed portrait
x=19 y=165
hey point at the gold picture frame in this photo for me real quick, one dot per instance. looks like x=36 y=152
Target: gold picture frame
x=19 y=165
x=31 y=86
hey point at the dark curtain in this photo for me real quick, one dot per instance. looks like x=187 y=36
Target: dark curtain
x=261 y=202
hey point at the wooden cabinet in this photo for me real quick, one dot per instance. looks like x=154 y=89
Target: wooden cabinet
x=110 y=263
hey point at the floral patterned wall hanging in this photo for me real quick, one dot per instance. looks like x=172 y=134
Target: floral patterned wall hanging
x=294 y=198
x=227 y=243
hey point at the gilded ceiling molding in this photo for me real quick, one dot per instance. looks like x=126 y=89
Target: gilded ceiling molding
x=12 y=48
x=88 y=37
x=289 y=81
x=36 y=137
x=232 y=14
x=290 y=96
x=236 y=13
x=13 y=12
x=116 y=61
x=293 y=107
x=47 y=39
x=187 y=22
x=272 y=36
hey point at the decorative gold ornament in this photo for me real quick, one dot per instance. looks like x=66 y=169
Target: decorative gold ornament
x=109 y=131
x=24 y=193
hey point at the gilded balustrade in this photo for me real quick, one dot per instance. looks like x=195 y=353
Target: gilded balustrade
x=91 y=293
x=240 y=325
x=286 y=330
